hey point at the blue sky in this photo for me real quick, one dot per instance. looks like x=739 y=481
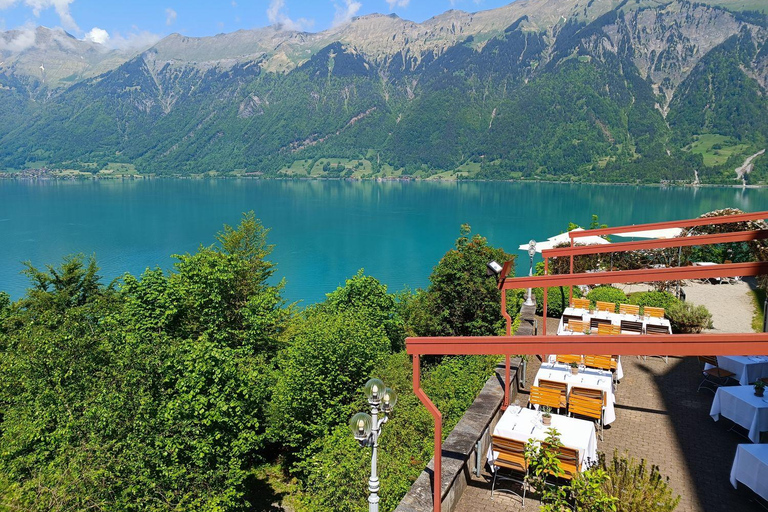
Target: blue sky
x=134 y=21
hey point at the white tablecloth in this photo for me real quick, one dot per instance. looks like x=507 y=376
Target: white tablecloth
x=740 y=405
x=748 y=369
x=750 y=467
x=588 y=378
x=523 y=424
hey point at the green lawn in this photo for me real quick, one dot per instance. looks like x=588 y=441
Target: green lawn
x=705 y=145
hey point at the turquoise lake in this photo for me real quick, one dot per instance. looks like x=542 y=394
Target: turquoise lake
x=323 y=231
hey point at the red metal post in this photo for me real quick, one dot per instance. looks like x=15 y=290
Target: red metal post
x=437 y=473
x=506 y=387
x=505 y=313
x=570 y=288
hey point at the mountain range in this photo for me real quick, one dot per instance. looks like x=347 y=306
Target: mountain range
x=572 y=90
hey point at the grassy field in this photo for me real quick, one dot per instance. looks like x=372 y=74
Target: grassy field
x=715 y=149
x=119 y=169
x=742 y=5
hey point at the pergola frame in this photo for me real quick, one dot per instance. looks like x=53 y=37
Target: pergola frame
x=669 y=344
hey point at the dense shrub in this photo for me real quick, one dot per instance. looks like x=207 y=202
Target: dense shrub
x=557 y=300
x=607 y=294
x=689 y=319
x=638 y=487
x=335 y=476
x=654 y=299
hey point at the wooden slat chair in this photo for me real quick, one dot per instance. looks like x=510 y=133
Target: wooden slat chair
x=511 y=457
x=587 y=407
x=657 y=330
x=544 y=397
x=608 y=330
x=715 y=375
x=764 y=379
x=630 y=327
x=595 y=323
x=597 y=394
x=653 y=312
x=629 y=309
x=560 y=386
x=600 y=362
x=606 y=306
x=568 y=458
x=581 y=303
x=577 y=326
x=570 y=318
x=568 y=358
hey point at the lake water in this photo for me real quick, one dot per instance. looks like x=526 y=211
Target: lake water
x=323 y=231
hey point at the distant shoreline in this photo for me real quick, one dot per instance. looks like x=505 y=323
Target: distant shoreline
x=4 y=175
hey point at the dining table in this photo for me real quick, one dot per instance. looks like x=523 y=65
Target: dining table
x=522 y=424
x=740 y=405
x=622 y=320
x=587 y=378
x=748 y=369
x=750 y=467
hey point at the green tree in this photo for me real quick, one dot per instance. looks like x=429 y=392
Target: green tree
x=461 y=299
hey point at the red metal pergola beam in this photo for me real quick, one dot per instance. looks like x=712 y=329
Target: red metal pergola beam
x=699 y=221
x=641 y=275
x=626 y=344
x=664 y=243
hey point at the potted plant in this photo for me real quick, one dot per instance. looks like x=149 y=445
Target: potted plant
x=575 y=368
x=546 y=415
x=759 y=388
x=588 y=331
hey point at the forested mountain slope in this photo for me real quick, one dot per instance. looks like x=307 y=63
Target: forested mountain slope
x=540 y=89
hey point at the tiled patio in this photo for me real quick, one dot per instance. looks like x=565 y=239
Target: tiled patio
x=661 y=418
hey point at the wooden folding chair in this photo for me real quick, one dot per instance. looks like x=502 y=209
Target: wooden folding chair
x=544 y=397
x=568 y=358
x=653 y=312
x=577 y=326
x=595 y=323
x=606 y=306
x=568 y=459
x=600 y=362
x=511 y=457
x=629 y=309
x=580 y=303
x=715 y=375
x=630 y=327
x=588 y=407
x=608 y=330
x=560 y=386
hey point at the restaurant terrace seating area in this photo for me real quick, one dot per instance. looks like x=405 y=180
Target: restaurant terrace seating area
x=669 y=408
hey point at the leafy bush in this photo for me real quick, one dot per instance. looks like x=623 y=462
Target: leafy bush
x=689 y=319
x=654 y=299
x=335 y=476
x=557 y=300
x=638 y=487
x=607 y=294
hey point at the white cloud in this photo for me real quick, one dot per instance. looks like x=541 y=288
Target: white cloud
x=24 y=37
x=277 y=16
x=234 y=4
x=133 y=40
x=97 y=35
x=402 y=3
x=60 y=6
x=170 y=16
x=345 y=12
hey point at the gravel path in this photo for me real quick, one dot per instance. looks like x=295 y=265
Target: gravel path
x=731 y=305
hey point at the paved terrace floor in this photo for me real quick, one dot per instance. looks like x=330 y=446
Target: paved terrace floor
x=659 y=417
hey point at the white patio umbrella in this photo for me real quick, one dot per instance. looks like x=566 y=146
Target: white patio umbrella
x=652 y=233
x=564 y=238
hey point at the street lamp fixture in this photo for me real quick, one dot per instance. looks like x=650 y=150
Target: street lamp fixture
x=366 y=428
x=531 y=253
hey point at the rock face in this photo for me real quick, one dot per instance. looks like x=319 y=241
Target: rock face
x=606 y=90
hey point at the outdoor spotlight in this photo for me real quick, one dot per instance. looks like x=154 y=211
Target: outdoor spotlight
x=494 y=269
